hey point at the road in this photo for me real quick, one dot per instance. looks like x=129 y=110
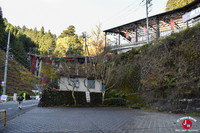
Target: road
x=96 y=120
x=12 y=110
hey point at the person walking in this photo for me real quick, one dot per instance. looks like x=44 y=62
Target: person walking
x=20 y=100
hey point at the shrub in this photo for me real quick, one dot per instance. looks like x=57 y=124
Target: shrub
x=62 y=98
x=115 y=101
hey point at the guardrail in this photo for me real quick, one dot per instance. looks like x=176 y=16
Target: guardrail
x=3 y=116
x=32 y=97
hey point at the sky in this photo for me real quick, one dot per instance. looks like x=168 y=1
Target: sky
x=57 y=15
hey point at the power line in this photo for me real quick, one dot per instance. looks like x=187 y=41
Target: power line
x=131 y=11
x=123 y=11
x=21 y=61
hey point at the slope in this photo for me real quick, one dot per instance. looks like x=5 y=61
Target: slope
x=18 y=77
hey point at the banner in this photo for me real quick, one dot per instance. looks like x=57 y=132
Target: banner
x=145 y=30
x=127 y=34
x=172 y=24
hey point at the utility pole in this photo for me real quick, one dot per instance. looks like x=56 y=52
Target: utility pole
x=85 y=54
x=6 y=64
x=147 y=18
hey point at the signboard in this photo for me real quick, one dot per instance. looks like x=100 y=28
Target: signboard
x=24 y=96
x=2 y=83
x=87 y=93
x=102 y=88
x=192 y=14
x=15 y=97
x=4 y=97
x=38 y=97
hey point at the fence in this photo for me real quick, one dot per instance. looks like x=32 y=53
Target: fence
x=3 y=116
x=31 y=97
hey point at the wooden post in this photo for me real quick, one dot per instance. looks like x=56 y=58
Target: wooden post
x=36 y=66
x=105 y=40
x=157 y=29
x=136 y=33
x=40 y=67
x=119 y=36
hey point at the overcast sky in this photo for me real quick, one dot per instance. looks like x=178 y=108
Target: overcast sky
x=57 y=15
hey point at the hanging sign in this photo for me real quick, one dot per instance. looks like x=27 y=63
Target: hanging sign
x=172 y=24
x=2 y=83
x=127 y=34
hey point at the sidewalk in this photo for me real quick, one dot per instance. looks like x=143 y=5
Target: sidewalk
x=95 y=120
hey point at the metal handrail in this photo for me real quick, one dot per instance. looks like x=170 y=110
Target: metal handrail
x=3 y=116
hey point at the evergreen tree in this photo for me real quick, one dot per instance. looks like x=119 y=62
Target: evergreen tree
x=69 y=32
x=2 y=31
x=24 y=28
x=174 y=4
x=46 y=45
x=41 y=31
x=68 y=46
x=68 y=43
x=75 y=46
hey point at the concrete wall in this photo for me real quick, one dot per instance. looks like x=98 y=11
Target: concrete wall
x=64 y=85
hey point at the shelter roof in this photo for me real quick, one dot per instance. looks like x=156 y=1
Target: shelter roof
x=163 y=16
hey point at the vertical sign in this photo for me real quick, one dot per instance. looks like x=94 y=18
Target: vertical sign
x=15 y=97
x=24 y=96
x=102 y=88
x=87 y=93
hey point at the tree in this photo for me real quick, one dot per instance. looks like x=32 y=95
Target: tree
x=2 y=30
x=41 y=33
x=68 y=46
x=96 y=41
x=69 y=32
x=47 y=44
x=68 y=70
x=68 y=43
x=105 y=70
x=174 y=4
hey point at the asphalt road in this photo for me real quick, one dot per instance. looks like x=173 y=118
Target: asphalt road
x=12 y=110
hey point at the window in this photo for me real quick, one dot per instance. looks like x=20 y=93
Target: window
x=74 y=81
x=91 y=84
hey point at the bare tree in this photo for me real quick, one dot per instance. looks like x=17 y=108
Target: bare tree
x=104 y=70
x=103 y=64
x=68 y=70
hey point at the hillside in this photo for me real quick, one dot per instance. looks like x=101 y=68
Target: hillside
x=19 y=78
x=162 y=74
